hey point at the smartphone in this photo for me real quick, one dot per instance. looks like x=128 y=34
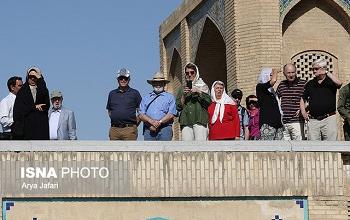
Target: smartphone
x=189 y=84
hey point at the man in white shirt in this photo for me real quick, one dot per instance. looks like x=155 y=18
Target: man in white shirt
x=61 y=120
x=6 y=107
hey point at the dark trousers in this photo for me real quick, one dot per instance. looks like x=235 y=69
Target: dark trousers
x=346 y=128
x=5 y=136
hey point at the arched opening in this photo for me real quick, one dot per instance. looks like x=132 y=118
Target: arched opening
x=211 y=54
x=175 y=77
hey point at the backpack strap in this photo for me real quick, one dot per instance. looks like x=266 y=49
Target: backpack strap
x=243 y=111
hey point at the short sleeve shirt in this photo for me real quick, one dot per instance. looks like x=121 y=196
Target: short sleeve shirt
x=123 y=105
x=162 y=105
x=321 y=97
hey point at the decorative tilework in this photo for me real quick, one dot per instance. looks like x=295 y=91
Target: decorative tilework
x=300 y=203
x=8 y=205
x=277 y=217
x=155 y=218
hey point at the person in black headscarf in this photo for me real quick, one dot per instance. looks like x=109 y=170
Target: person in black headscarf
x=30 y=112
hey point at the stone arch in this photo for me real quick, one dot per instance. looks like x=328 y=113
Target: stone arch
x=175 y=76
x=211 y=54
x=343 y=7
x=318 y=26
x=331 y=7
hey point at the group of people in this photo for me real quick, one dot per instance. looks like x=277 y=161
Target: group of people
x=25 y=113
x=203 y=113
x=212 y=114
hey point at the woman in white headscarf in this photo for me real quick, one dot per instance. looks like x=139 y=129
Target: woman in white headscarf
x=192 y=102
x=271 y=127
x=223 y=115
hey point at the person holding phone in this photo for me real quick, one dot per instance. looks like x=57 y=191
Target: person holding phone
x=192 y=102
x=30 y=111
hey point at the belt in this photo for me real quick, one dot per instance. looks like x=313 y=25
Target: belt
x=116 y=125
x=321 y=117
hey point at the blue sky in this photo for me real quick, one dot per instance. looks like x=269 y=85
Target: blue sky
x=79 y=45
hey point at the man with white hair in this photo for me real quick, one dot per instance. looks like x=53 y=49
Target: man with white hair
x=61 y=120
x=157 y=111
x=320 y=92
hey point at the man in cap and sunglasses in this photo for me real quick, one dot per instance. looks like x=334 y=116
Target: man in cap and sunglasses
x=157 y=111
x=122 y=106
x=237 y=95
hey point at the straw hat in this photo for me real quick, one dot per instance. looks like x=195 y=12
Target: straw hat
x=158 y=77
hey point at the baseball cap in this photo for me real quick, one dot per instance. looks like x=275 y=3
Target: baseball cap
x=56 y=94
x=123 y=72
x=237 y=94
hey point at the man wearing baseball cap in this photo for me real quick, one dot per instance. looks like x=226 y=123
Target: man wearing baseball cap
x=61 y=120
x=122 y=105
x=237 y=95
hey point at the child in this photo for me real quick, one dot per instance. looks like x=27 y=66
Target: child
x=253 y=109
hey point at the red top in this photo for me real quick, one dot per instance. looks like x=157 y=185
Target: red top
x=229 y=128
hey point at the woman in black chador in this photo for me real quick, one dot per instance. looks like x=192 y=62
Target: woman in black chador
x=30 y=112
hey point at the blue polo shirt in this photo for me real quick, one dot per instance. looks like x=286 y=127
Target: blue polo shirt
x=123 y=105
x=161 y=106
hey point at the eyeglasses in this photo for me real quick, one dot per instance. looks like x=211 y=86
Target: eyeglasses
x=316 y=68
x=192 y=72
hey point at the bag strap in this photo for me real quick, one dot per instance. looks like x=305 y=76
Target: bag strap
x=243 y=110
x=151 y=102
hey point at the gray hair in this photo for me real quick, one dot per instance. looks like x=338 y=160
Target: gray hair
x=321 y=62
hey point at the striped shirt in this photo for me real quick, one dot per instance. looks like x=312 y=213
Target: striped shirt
x=290 y=95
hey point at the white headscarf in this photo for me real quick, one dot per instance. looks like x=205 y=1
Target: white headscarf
x=264 y=77
x=220 y=104
x=198 y=82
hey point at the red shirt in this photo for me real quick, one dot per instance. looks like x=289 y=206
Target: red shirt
x=229 y=128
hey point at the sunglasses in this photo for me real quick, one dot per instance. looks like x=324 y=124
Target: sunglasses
x=123 y=78
x=192 y=72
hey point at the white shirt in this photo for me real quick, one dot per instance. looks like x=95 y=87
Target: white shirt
x=6 y=112
x=53 y=122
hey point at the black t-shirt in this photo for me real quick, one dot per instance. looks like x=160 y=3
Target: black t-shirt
x=269 y=111
x=321 y=97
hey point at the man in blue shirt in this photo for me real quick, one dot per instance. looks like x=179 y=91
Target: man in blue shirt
x=122 y=105
x=157 y=111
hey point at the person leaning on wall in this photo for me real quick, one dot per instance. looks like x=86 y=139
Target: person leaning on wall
x=14 y=84
x=192 y=101
x=122 y=105
x=30 y=111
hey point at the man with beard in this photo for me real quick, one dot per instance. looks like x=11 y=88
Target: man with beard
x=157 y=111
x=61 y=120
